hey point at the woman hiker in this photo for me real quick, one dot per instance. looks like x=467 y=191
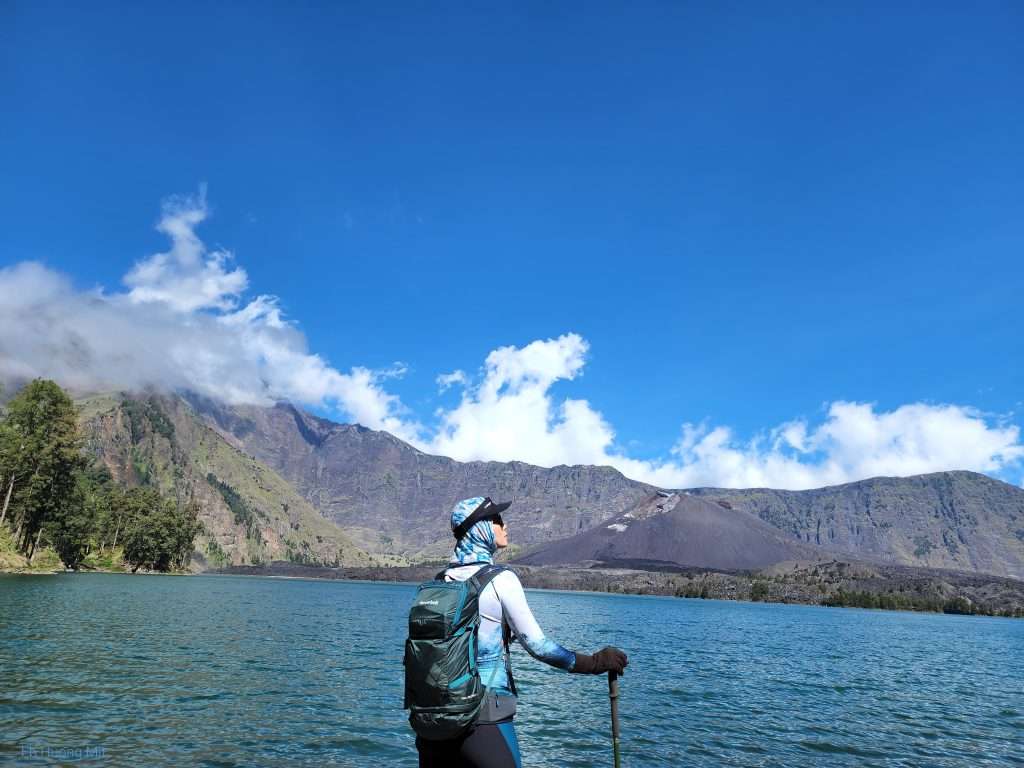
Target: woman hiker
x=491 y=743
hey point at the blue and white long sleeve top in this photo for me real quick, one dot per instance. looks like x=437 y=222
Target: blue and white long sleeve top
x=504 y=598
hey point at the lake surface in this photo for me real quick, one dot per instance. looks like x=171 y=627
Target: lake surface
x=107 y=669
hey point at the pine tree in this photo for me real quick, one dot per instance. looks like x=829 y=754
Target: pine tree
x=70 y=528
x=42 y=451
x=157 y=534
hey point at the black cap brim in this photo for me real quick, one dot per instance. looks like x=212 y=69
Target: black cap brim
x=485 y=511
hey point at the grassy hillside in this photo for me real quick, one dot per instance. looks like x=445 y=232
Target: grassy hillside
x=249 y=513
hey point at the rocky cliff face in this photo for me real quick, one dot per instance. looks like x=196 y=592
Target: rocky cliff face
x=392 y=498
x=959 y=520
x=249 y=513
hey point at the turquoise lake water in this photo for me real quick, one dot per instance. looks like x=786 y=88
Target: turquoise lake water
x=103 y=669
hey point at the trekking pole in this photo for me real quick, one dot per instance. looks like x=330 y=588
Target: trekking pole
x=613 y=695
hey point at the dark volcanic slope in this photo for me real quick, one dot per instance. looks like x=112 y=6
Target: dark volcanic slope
x=680 y=530
x=391 y=497
x=958 y=520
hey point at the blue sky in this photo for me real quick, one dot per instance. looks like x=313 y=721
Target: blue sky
x=748 y=212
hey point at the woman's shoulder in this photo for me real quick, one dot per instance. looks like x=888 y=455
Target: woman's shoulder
x=508 y=576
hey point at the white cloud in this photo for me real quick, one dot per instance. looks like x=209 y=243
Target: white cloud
x=187 y=277
x=511 y=414
x=447 y=380
x=181 y=324
x=852 y=442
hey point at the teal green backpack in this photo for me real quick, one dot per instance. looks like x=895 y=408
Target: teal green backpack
x=443 y=690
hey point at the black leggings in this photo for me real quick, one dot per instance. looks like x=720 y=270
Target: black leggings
x=493 y=745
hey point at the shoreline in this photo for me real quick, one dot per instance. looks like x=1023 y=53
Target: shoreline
x=829 y=584
x=833 y=584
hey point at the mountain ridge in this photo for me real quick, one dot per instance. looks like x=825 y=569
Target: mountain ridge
x=392 y=499
x=958 y=519
x=395 y=498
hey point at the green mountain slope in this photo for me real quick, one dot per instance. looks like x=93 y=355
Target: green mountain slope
x=249 y=512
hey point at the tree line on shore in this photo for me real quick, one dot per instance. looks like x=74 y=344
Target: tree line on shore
x=54 y=495
x=892 y=601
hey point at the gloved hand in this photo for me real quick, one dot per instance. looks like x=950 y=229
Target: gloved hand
x=608 y=659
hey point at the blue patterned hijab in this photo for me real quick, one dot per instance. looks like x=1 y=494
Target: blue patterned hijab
x=477 y=546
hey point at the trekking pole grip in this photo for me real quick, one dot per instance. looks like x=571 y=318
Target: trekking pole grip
x=613 y=696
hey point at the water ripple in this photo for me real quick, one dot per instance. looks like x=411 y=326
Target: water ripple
x=221 y=671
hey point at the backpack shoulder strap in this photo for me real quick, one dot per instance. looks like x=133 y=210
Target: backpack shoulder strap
x=484 y=577
x=486 y=574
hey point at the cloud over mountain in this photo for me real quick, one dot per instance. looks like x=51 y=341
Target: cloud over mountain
x=178 y=325
x=182 y=323
x=511 y=414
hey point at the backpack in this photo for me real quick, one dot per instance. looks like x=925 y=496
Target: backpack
x=443 y=689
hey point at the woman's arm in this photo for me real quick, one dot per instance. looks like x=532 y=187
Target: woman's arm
x=525 y=627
